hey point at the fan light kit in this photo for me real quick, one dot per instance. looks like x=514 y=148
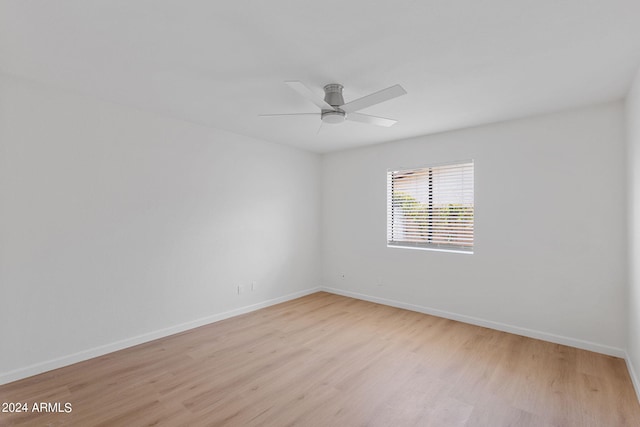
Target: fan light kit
x=333 y=109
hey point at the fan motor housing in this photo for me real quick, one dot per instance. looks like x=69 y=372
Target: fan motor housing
x=333 y=97
x=333 y=116
x=333 y=94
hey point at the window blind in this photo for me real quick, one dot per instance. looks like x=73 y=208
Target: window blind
x=431 y=207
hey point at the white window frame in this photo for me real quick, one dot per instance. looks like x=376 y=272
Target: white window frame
x=436 y=226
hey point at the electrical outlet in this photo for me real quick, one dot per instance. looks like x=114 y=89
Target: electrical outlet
x=240 y=289
x=254 y=285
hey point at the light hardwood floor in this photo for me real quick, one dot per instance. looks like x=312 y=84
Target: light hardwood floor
x=328 y=360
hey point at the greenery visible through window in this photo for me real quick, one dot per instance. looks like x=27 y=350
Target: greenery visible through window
x=431 y=207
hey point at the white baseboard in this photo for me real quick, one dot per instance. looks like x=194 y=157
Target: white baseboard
x=38 y=368
x=558 y=339
x=632 y=373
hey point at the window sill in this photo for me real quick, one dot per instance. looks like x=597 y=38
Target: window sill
x=433 y=249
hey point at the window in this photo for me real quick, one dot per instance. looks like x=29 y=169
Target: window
x=431 y=207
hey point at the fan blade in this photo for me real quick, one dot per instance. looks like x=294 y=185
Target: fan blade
x=372 y=120
x=374 y=98
x=308 y=94
x=289 y=114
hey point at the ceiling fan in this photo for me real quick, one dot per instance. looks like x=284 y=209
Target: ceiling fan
x=333 y=108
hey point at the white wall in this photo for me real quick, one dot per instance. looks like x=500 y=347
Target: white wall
x=550 y=245
x=115 y=223
x=633 y=138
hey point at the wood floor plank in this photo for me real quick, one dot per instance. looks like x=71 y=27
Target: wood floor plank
x=328 y=360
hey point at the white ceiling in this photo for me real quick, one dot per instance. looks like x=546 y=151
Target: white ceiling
x=222 y=63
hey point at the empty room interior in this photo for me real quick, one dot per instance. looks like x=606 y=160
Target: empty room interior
x=320 y=213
